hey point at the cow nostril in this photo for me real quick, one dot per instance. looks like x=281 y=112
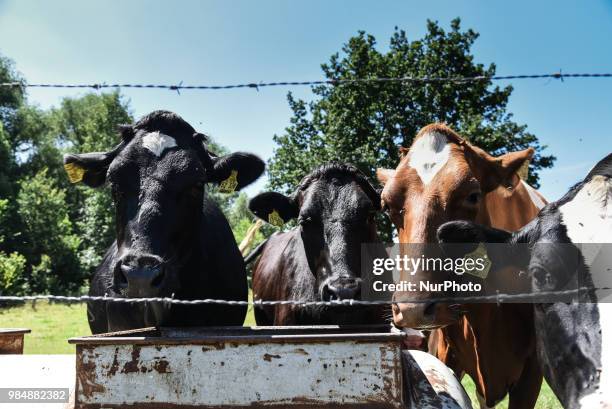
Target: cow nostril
x=121 y=276
x=341 y=291
x=395 y=309
x=139 y=274
x=430 y=309
x=326 y=293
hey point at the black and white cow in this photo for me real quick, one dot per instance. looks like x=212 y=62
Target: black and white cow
x=171 y=239
x=574 y=339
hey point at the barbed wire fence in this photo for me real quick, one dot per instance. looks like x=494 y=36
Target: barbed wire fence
x=498 y=298
x=257 y=85
x=494 y=298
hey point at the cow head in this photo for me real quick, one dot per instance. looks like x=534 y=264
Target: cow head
x=442 y=177
x=158 y=175
x=562 y=246
x=335 y=208
x=546 y=247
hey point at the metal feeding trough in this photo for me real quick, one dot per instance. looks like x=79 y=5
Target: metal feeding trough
x=11 y=340
x=240 y=367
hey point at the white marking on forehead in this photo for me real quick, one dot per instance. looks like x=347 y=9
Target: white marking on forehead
x=536 y=199
x=428 y=154
x=588 y=216
x=158 y=142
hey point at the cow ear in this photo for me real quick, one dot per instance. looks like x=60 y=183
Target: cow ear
x=89 y=168
x=496 y=171
x=460 y=239
x=234 y=171
x=514 y=162
x=467 y=232
x=274 y=208
x=383 y=175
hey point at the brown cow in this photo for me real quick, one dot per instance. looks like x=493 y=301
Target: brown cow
x=440 y=178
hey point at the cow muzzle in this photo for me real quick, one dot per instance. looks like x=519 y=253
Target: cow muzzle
x=425 y=315
x=343 y=288
x=140 y=275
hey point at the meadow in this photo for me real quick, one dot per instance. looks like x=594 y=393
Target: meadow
x=52 y=324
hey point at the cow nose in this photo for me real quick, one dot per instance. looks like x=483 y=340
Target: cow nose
x=140 y=276
x=345 y=288
x=414 y=315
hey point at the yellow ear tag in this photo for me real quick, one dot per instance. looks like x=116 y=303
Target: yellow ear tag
x=229 y=184
x=74 y=171
x=523 y=171
x=275 y=219
x=479 y=254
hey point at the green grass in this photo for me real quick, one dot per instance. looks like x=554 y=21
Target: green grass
x=53 y=324
x=546 y=400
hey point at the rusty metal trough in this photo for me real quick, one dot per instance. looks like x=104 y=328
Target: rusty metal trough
x=11 y=340
x=240 y=367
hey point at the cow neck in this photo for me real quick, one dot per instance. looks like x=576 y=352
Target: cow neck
x=508 y=209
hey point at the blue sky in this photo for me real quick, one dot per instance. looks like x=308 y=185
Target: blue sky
x=250 y=41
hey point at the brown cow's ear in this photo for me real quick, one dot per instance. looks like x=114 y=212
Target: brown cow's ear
x=512 y=162
x=403 y=152
x=495 y=171
x=383 y=175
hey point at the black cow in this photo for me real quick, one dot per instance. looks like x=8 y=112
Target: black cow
x=319 y=260
x=171 y=239
x=574 y=338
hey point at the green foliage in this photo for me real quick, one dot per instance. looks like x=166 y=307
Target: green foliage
x=96 y=227
x=54 y=234
x=89 y=124
x=11 y=98
x=12 y=267
x=364 y=123
x=53 y=244
x=241 y=219
x=62 y=230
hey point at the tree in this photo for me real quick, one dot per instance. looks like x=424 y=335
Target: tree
x=12 y=266
x=52 y=242
x=54 y=234
x=88 y=124
x=11 y=98
x=364 y=123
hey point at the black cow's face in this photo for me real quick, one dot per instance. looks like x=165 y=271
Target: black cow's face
x=545 y=254
x=335 y=208
x=548 y=247
x=158 y=176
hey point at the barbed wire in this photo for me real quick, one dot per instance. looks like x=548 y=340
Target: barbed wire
x=178 y=87
x=497 y=298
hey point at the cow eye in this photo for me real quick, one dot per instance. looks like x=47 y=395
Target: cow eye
x=473 y=198
x=542 y=276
